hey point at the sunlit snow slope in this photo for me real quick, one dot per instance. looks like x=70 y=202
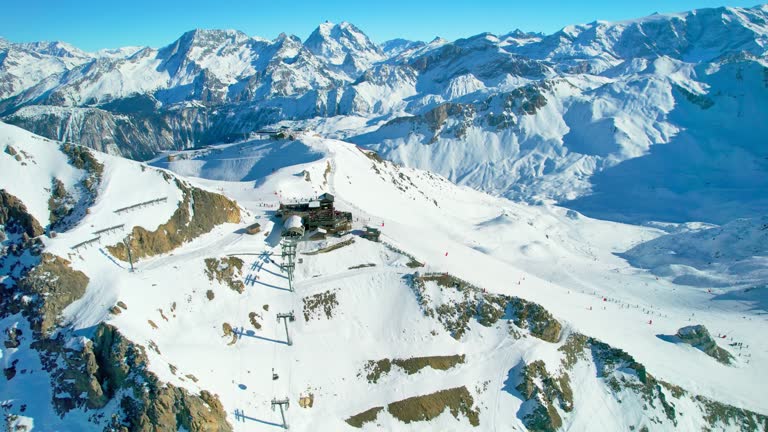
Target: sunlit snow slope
x=449 y=300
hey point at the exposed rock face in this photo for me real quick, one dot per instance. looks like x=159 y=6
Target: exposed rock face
x=624 y=378
x=533 y=317
x=698 y=336
x=543 y=392
x=486 y=308
x=111 y=366
x=13 y=213
x=73 y=374
x=198 y=213
x=60 y=204
x=81 y=157
x=53 y=285
x=65 y=210
x=137 y=135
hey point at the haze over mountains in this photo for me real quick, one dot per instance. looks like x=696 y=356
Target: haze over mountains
x=574 y=230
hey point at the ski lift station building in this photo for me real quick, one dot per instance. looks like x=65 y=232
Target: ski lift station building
x=316 y=214
x=293 y=227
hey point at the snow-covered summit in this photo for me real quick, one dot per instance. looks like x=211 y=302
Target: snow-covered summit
x=343 y=43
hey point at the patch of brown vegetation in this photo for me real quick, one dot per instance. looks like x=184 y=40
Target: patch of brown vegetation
x=367 y=416
x=323 y=302
x=229 y=332
x=254 y=322
x=226 y=270
x=376 y=369
x=326 y=172
x=427 y=407
x=12 y=151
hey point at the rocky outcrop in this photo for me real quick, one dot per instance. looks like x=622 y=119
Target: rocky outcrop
x=543 y=392
x=82 y=158
x=15 y=217
x=60 y=204
x=549 y=396
x=484 y=307
x=198 y=213
x=110 y=366
x=51 y=287
x=698 y=337
x=531 y=316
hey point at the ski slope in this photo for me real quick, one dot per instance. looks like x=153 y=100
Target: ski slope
x=570 y=264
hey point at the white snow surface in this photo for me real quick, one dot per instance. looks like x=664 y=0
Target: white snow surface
x=656 y=119
x=562 y=260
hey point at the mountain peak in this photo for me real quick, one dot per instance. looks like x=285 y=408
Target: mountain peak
x=333 y=42
x=200 y=34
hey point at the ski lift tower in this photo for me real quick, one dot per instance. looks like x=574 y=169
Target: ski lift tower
x=127 y=243
x=280 y=404
x=286 y=317
x=293 y=230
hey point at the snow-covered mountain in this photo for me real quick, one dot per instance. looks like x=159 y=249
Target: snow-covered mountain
x=522 y=115
x=573 y=227
x=473 y=313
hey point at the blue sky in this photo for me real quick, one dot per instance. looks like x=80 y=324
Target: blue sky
x=92 y=24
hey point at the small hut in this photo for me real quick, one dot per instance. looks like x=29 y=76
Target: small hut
x=372 y=234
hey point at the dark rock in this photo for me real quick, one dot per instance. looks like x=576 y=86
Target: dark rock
x=53 y=285
x=14 y=213
x=698 y=337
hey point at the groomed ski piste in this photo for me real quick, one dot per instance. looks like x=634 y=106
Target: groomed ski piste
x=573 y=266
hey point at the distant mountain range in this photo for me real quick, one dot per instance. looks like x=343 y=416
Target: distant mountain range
x=527 y=116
